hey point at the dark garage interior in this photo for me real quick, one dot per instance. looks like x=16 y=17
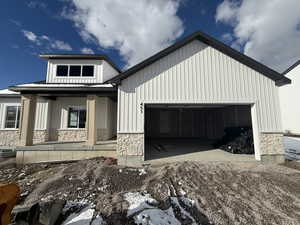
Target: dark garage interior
x=172 y=130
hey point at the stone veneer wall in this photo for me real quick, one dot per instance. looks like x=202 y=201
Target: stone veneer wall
x=130 y=145
x=40 y=136
x=10 y=138
x=71 y=135
x=271 y=144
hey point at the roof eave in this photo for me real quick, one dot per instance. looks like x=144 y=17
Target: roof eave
x=66 y=89
x=264 y=70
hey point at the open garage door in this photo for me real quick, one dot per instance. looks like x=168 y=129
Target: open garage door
x=174 y=130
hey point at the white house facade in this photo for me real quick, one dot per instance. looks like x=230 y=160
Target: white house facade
x=289 y=98
x=194 y=90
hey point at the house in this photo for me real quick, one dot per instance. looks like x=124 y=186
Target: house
x=289 y=94
x=190 y=91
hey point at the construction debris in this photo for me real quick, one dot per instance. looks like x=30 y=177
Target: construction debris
x=237 y=140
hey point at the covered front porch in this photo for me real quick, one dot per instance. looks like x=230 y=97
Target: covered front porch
x=67 y=123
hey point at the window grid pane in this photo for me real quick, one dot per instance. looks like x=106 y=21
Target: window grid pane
x=11 y=117
x=87 y=71
x=75 y=71
x=62 y=71
x=77 y=118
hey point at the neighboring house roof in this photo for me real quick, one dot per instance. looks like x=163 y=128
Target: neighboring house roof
x=81 y=56
x=268 y=72
x=292 y=67
x=8 y=93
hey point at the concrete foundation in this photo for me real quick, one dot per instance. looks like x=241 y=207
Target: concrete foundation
x=273 y=159
x=64 y=152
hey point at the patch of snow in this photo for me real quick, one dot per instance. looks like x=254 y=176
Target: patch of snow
x=141 y=171
x=138 y=202
x=84 y=217
x=188 y=202
x=291 y=148
x=144 y=211
x=98 y=221
x=183 y=212
x=70 y=205
x=156 y=217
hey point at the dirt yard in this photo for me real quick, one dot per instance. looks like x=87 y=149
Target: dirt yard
x=222 y=193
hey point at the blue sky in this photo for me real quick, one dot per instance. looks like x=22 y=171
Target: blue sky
x=58 y=26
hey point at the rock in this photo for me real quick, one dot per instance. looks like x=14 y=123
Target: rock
x=50 y=211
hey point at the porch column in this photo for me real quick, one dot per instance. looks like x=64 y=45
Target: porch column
x=92 y=101
x=27 y=119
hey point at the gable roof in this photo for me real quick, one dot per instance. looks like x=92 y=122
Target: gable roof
x=292 y=67
x=246 y=60
x=81 y=56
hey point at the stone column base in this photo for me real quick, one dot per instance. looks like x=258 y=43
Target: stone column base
x=271 y=144
x=130 y=149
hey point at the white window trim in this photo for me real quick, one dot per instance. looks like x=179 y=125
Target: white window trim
x=75 y=77
x=80 y=107
x=5 y=114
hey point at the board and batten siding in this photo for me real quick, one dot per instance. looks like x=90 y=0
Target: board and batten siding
x=197 y=74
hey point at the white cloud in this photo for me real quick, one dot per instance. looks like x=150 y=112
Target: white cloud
x=267 y=29
x=87 y=51
x=46 y=42
x=60 y=45
x=37 y=4
x=137 y=29
x=30 y=36
x=227 y=37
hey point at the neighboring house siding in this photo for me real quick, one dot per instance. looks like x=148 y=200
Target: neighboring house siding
x=197 y=73
x=98 y=70
x=289 y=100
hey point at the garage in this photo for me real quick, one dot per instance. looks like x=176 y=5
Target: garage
x=185 y=98
x=174 y=130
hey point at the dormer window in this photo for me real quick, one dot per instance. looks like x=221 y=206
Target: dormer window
x=62 y=71
x=75 y=71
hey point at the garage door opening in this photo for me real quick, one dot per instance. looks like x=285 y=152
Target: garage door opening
x=182 y=130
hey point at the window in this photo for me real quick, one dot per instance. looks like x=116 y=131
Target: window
x=12 y=119
x=77 y=117
x=62 y=71
x=75 y=71
x=87 y=71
